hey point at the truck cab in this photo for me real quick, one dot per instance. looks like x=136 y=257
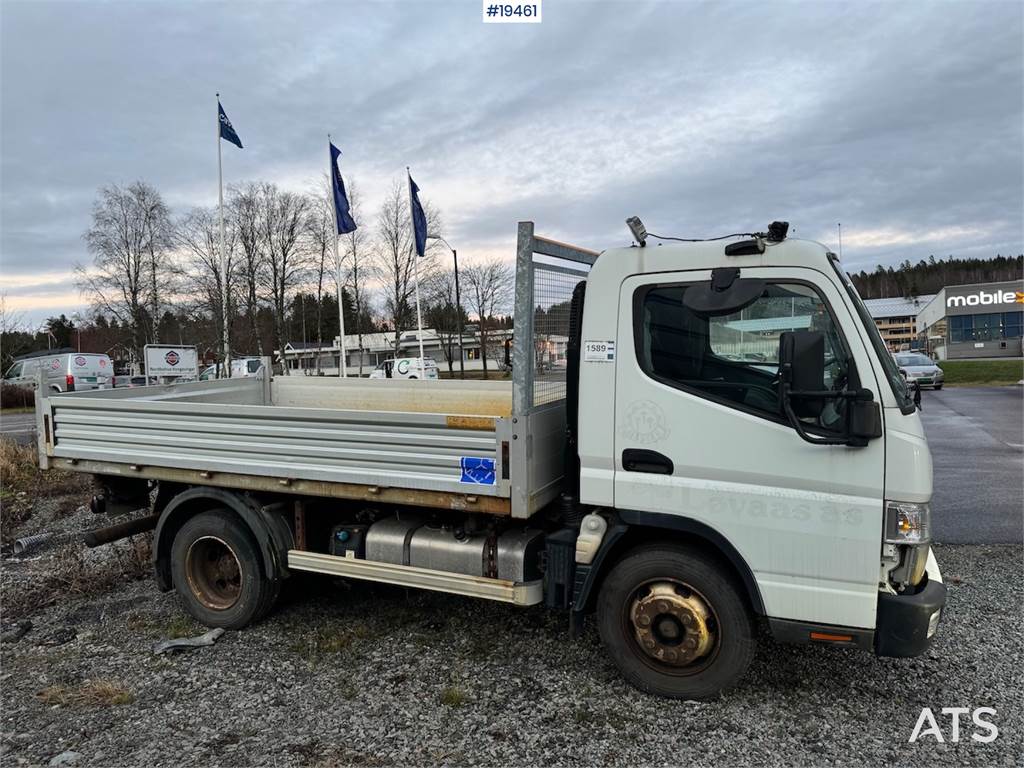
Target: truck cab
x=754 y=401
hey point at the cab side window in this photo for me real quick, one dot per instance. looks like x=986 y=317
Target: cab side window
x=734 y=359
x=14 y=371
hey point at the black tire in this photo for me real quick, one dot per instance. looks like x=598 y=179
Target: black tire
x=695 y=579
x=218 y=572
x=938 y=387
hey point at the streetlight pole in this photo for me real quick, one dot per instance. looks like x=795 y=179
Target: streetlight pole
x=77 y=320
x=458 y=304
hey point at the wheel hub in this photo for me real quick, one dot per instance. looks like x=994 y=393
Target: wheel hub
x=671 y=624
x=214 y=574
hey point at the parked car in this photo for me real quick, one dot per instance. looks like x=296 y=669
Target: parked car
x=406 y=368
x=132 y=381
x=920 y=369
x=65 y=371
x=240 y=368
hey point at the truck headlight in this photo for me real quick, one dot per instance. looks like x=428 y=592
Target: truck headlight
x=907 y=522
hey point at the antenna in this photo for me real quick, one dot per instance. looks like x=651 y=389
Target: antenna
x=839 y=226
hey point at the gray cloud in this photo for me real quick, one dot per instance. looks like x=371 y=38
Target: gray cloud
x=902 y=122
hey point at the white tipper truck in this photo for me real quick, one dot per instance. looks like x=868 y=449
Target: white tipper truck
x=699 y=441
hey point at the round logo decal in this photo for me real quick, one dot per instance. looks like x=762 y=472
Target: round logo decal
x=403 y=367
x=55 y=364
x=644 y=422
x=172 y=358
x=79 y=360
x=103 y=363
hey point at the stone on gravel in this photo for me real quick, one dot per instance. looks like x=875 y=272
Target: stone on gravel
x=66 y=758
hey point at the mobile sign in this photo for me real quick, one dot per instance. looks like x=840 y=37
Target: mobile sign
x=171 y=360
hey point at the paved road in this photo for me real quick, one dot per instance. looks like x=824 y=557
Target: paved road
x=976 y=435
x=20 y=427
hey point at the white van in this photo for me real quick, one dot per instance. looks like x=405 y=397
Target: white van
x=406 y=368
x=65 y=371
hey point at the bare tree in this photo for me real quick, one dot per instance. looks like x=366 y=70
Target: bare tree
x=353 y=253
x=395 y=258
x=245 y=208
x=197 y=237
x=282 y=221
x=444 y=314
x=127 y=242
x=491 y=284
x=321 y=232
x=157 y=223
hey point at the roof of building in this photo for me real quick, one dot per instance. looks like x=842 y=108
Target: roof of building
x=898 y=306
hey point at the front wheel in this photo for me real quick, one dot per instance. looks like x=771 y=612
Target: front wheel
x=674 y=623
x=218 y=573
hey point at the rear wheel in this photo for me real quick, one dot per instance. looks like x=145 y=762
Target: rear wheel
x=218 y=573
x=674 y=623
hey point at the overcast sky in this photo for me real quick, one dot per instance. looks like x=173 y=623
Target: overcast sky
x=902 y=121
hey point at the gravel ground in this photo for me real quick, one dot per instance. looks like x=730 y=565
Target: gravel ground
x=346 y=673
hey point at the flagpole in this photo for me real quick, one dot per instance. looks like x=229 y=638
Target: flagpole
x=226 y=340
x=416 y=277
x=337 y=262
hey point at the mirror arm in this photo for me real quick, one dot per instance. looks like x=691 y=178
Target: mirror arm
x=798 y=425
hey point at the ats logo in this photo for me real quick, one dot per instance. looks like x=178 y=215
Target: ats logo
x=172 y=358
x=983 y=298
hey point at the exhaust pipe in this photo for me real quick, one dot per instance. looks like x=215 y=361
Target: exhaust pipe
x=120 y=531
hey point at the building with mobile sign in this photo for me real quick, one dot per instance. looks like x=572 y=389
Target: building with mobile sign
x=965 y=321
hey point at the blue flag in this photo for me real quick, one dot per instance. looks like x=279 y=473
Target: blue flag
x=227 y=131
x=419 y=219
x=342 y=213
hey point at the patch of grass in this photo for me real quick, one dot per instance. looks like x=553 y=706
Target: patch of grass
x=329 y=640
x=71 y=575
x=19 y=409
x=180 y=626
x=582 y=715
x=91 y=693
x=982 y=372
x=453 y=696
x=22 y=483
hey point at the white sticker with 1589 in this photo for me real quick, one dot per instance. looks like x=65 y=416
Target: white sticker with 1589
x=598 y=351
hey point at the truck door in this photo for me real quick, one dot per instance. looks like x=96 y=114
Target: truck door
x=699 y=433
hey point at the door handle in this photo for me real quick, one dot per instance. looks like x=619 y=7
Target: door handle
x=643 y=460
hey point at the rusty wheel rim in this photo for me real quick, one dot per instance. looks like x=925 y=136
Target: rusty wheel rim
x=674 y=627
x=214 y=573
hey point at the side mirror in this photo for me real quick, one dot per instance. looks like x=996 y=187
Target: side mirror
x=865 y=420
x=802 y=366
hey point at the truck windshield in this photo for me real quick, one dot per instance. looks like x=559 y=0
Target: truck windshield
x=896 y=381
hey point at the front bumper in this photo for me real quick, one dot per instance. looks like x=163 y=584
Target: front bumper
x=906 y=624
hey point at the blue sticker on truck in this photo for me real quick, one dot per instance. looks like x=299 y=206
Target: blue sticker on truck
x=477 y=471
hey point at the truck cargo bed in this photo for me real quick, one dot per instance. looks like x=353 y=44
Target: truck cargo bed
x=438 y=444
